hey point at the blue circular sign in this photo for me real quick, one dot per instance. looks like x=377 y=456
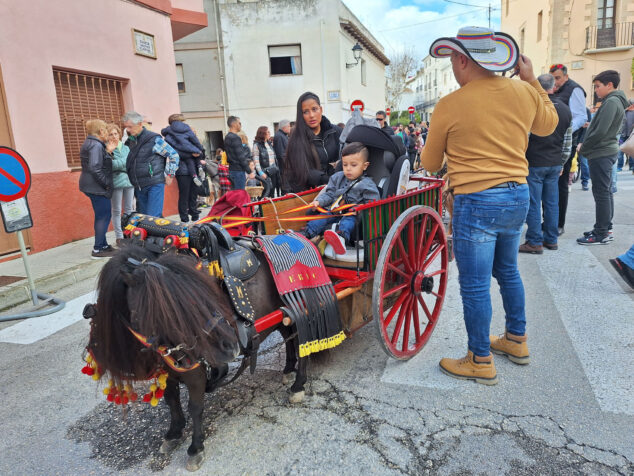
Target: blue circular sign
x=15 y=176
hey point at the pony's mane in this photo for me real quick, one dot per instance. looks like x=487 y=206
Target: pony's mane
x=164 y=298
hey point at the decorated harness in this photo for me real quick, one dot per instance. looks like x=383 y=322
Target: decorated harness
x=298 y=271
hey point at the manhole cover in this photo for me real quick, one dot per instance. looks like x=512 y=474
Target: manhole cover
x=6 y=280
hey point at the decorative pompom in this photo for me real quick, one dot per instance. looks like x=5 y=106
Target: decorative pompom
x=110 y=397
x=134 y=397
x=153 y=387
x=154 y=402
x=117 y=400
x=159 y=393
x=96 y=377
x=106 y=391
x=125 y=400
x=147 y=397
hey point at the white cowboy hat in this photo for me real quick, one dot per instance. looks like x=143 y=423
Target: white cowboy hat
x=492 y=50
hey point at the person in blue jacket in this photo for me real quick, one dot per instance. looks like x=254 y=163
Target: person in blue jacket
x=183 y=139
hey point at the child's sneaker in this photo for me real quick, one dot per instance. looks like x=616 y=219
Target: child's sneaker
x=197 y=181
x=335 y=240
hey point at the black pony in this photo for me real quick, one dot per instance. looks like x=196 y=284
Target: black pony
x=174 y=304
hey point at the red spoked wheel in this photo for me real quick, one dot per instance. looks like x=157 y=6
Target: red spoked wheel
x=410 y=281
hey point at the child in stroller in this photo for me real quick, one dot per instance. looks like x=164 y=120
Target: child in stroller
x=350 y=186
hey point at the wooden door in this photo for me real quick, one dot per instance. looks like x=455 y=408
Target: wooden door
x=8 y=241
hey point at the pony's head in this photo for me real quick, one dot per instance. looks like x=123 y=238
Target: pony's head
x=166 y=299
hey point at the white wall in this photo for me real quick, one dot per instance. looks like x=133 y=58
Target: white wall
x=261 y=99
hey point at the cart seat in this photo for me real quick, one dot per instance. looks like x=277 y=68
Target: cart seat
x=387 y=156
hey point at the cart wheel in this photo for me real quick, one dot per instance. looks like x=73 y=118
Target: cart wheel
x=410 y=281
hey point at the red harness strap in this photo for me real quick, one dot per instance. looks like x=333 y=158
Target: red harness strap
x=164 y=352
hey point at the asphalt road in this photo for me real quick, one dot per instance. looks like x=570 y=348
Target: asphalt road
x=571 y=411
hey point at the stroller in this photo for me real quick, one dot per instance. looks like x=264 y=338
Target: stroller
x=389 y=168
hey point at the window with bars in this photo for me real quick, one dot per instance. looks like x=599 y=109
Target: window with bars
x=81 y=97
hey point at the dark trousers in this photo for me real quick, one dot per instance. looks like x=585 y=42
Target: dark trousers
x=563 y=181
x=186 y=198
x=601 y=176
x=103 y=212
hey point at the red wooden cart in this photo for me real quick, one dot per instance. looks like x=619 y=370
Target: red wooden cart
x=400 y=277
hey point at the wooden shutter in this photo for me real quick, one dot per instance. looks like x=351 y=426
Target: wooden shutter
x=82 y=97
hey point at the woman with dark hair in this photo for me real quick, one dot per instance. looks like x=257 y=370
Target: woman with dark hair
x=264 y=157
x=313 y=147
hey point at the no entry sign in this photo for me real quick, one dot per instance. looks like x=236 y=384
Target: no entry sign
x=357 y=104
x=411 y=110
x=15 y=176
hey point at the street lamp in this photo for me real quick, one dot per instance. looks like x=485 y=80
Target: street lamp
x=356 y=51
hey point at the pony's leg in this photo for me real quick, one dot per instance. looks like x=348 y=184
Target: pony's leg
x=297 y=389
x=196 y=386
x=291 y=356
x=172 y=397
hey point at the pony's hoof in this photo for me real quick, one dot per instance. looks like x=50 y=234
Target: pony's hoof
x=288 y=378
x=297 y=397
x=168 y=446
x=194 y=462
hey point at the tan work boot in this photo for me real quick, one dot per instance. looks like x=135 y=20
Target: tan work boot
x=471 y=367
x=514 y=347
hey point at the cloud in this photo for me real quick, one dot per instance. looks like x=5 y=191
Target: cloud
x=414 y=25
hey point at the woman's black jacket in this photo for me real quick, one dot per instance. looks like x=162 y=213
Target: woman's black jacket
x=96 y=168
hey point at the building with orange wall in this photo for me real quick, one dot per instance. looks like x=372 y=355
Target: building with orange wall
x=67 y=61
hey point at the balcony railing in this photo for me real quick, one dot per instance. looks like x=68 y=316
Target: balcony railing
x=621 y=34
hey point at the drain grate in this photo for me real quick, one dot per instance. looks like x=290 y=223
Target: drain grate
x=6 y=280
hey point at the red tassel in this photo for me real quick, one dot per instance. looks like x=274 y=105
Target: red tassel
x=147 y=397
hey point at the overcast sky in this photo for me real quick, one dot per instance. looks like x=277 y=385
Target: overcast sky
x=416 y=23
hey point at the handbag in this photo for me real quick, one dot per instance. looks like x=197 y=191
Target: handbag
x=627 y=147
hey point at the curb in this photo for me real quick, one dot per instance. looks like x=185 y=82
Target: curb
x=19 y=292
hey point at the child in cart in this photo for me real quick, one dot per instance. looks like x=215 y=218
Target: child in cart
x=350 y=186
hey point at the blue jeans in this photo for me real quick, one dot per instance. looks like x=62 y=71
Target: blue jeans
x=585 y=170
x=102 y=207
x=627 y=258
x=238 y=179
x=620 y=160
x=487 y=227
x=543 y=186
x=346 y=226
x=149 y=200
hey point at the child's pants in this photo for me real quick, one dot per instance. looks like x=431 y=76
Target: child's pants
x=346 y=225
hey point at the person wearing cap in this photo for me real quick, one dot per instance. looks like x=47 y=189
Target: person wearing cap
x=482 y=129
x=280 y=141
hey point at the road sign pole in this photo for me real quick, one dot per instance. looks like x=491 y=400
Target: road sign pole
x=27 y=268
x=15 y=181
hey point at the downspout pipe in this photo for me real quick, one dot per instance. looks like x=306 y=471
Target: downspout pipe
x=221 y=72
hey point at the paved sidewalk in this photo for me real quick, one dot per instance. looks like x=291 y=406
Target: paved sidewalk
x=52 y=270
